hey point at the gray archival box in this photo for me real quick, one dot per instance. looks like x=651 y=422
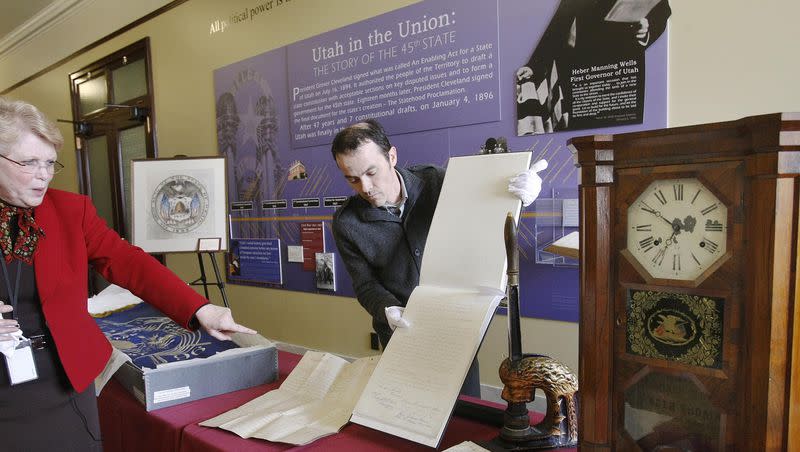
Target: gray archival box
x=254 y=363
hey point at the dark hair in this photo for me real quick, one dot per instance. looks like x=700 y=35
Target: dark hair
x=354 y=135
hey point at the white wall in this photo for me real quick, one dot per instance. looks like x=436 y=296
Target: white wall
x=732 y=58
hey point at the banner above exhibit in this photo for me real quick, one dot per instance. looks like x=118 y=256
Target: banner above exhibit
x=413 y=68
x=445 y=78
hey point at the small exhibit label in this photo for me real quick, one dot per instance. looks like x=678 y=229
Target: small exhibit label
x=305 y=202
x=171 y=394
x=241 y=205
x=274 y=204
x=334 y=201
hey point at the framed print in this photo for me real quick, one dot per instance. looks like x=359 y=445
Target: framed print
x=177 y=202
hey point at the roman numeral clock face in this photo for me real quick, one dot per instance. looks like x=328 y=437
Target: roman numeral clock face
x=677 y=229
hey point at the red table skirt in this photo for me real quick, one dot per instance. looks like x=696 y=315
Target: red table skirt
x=126 y=426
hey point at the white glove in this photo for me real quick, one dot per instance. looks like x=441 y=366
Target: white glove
x=9 y=342
x=527 y=184
x=394 y=317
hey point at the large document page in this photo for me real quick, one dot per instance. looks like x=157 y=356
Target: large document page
x=465 y=246
x=416 y=383
x=414 y=387
x=316 y=400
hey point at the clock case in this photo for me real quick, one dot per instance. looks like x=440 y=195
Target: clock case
x=752 y=165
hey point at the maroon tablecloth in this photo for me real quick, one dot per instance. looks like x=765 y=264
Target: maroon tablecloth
x=126 y=426
x=352 y=437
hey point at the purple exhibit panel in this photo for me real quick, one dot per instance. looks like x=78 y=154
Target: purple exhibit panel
x=442 y=76
x=256 y=261
x=426 y=66
x=252 y=133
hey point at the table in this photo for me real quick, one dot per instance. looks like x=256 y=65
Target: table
x=126 y=426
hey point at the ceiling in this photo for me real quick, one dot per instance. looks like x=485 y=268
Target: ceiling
x=14 y=13
x=35 y=34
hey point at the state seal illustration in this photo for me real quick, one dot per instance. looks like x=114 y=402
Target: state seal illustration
x=179 y=204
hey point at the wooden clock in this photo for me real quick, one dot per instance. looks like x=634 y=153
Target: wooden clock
x=688 y=287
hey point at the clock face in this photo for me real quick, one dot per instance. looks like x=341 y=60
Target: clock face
x=677 y=229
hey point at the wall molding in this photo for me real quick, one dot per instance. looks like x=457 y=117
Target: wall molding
x=39 y=23
x=7 y=59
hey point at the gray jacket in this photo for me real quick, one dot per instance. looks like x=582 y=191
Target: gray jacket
x=382 y=252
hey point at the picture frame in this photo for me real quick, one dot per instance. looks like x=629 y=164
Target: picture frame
x=176 y=202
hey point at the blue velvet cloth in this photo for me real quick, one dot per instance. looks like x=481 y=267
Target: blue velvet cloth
x=151 y=338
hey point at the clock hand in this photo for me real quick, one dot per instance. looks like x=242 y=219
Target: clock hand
x=689 y=223
x=671 y=239
x=655 y=212
x=676 y=229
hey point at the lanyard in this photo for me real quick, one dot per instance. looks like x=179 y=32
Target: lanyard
x=13 y=291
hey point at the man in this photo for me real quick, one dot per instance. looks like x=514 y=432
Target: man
x=381 y=231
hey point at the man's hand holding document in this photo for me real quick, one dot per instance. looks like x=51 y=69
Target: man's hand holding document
x=414 y=387
x=411 y=391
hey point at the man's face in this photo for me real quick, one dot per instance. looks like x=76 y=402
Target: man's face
x=16 y=186
x=370 y=174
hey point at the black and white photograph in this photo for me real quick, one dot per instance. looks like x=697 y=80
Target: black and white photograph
x=588 y=68
x=325 y=274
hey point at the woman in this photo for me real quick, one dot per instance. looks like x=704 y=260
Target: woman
x=47 y=237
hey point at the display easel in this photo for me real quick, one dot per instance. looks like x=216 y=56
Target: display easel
x=209 y=246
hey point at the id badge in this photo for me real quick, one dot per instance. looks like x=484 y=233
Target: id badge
x=22 y=367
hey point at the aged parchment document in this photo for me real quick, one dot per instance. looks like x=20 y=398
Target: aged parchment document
x=414 y=387
x=412 y=390
x=316 y=400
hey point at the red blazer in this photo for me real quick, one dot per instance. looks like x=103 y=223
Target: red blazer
x=76 y=236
